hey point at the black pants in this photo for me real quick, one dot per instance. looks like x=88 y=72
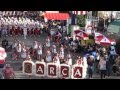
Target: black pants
x=90 y=72
x=102 y=73
x=108 y=72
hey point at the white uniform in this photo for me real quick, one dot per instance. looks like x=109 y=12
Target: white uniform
x=85 y=67
x=61 y=54
x=25 y=32
x=24 y=54
x=35 y=45
x=49 y=57
x=39 y=51
x=52 y=32
x=54 y=49
x=14 y=45
x=48 y=43
x=19 y=48
x=56 y=60
x=69 y=61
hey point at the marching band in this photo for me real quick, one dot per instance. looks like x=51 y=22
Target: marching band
x=24 y=26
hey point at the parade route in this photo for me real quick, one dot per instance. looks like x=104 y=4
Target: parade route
x=16 y=64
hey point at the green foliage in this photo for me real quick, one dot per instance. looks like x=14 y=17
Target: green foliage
x=81 y=20
x=91 y=36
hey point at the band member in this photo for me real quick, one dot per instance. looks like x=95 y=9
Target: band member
x=28 y=58
x=35 y=46
x=19 y=30
x=74 y=46
x=48 y=56
x=69 y=59
x=5 y=44
x=32 y=31
x=24 y=53
x=19 y=49
x=80 y=62
x=10 y=30
x=25 y=32
x=35 y=31
x=28 y=31
x=56 y=60
x=14 y=45
x=54 y=49
x=39 y=51
x=47 y=42
x=13 y=31
x=61 y=54
x=16 y=30
x=39 y=31
x=42 y=60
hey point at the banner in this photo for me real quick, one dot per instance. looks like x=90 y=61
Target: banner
x=40 y=68
x=77 y=72
x=28 y=67
x=64 y=71
x=52 y=70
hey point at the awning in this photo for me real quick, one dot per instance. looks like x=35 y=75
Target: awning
x=56 y=16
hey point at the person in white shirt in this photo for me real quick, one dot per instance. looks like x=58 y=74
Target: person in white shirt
x=102 y=67
x=56 y=60
x=48 y=56
x=35 y=46
x=24 y=53
x=19 y=49
x=39 y=51
x=61 y=54
x=54 y=49
x=69 y=59
x=25 y=32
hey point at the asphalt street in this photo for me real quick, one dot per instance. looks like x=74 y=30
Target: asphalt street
x=16 y=64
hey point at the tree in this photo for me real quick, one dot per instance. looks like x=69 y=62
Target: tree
x=81 y=20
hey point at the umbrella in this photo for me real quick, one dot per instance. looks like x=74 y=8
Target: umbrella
x=98 y=35
x=3 y=55
x=81 y=34
x=104 y=41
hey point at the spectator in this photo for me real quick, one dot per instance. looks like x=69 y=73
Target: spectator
x=102 y=67
x=5 y=44
x=9 y=72
x=90 y=63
